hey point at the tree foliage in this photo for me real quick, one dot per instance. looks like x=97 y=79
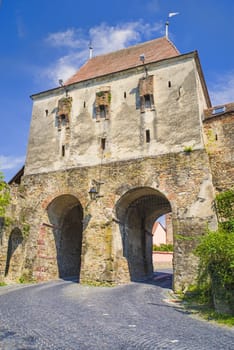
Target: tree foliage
x=216 y=254
x=225 y=209
x=4 y=195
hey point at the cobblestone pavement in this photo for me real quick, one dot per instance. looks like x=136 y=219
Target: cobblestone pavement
x=64 y=315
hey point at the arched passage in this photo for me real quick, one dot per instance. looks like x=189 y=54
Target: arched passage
x=66 y=214
x=137 y=211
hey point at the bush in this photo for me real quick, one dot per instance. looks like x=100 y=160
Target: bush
x=216 y=254
x=163 y=248
x=4 y=195
x=225 y=209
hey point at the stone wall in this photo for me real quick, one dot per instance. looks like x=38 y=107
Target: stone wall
x=219 y=139
x=182 y=179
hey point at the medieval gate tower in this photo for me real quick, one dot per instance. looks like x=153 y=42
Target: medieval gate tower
x=130 y=137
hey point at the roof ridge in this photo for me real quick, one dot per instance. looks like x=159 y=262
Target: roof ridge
x=112 y=62
x=132 y=46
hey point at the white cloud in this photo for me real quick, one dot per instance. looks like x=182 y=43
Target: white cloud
x=108 y=38
x=10 y=162
x=64 y=67
x=222 y=89
x=104 y=38
x=72 y=38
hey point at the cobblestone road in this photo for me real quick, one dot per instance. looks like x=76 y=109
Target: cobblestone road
x=63 y=315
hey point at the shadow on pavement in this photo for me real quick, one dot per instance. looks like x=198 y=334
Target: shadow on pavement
x=73 y=279
x=161 y=279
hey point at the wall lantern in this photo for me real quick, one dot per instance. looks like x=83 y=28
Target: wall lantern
x=95 y=189
x=93 y=193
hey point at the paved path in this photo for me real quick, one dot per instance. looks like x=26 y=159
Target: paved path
x=63 y=315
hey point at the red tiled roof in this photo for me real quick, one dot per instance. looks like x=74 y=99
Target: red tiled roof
x=154 y=50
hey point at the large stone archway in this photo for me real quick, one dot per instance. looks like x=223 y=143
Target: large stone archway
x=65 y=214
x=136 y=212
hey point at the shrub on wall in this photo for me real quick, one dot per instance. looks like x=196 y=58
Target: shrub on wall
x=225 y=209
x=216 y=253
x=4 y=195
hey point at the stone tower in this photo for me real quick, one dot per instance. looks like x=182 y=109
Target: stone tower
x=118 y=145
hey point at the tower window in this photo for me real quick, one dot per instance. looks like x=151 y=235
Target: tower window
x=84 y=104
x=147 y=135
x=102 y=104
x=146 y=90
x=103 y=143
x=147 y=101
x=64 y=111
x=125 y=95
x=169 y=84
x=63 y=150
x=103 y=111
x=46 y=112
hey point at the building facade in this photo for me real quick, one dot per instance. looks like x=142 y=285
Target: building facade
x=128 y=138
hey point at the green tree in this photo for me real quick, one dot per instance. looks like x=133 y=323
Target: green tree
x=216 y=254
x=225 y=209
x=4 y=195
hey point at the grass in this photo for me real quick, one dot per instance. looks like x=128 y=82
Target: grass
x=2 y=284
x=24 y=279
x=210 y=314
x=198 y=302
x=188 y=149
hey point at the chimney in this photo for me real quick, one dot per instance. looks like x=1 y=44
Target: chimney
x=90 y=50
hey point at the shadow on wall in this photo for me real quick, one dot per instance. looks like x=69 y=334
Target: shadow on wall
x=15 y=241
x=66 y=215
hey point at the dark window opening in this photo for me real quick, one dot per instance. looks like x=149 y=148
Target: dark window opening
x=146 y=90
x=63 y=150
x=169 y=84
x=62 y=120
x=84 y=104
x=147 y=134
x=216 y=137
x=63 y=112
x=102 y=104
x=103 y=143
x=103 y=111
x=46 y=112
x=147 y=101
x=125 y=95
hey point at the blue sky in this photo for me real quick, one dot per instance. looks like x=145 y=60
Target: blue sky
x=42 y=41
